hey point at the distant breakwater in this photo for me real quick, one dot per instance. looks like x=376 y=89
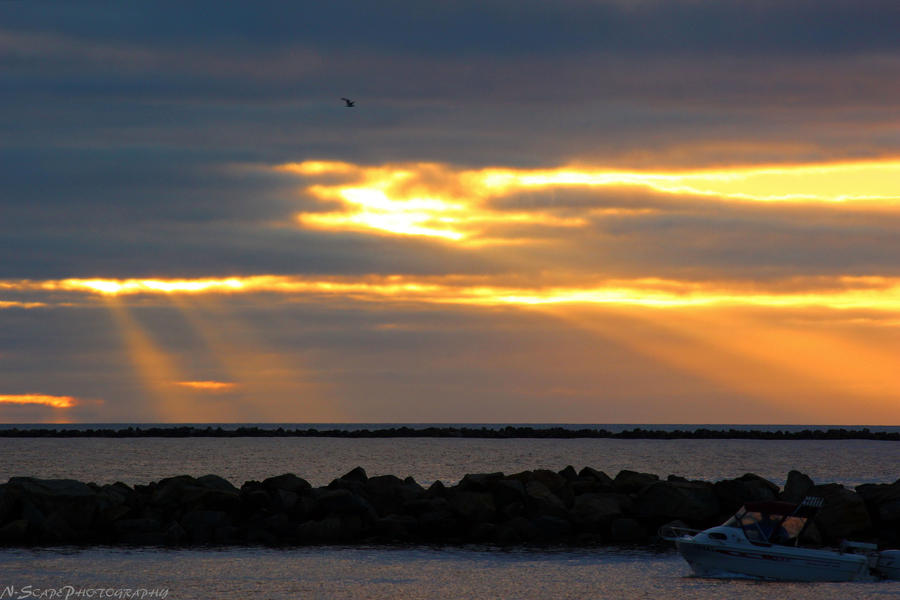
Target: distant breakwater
x=544 y=507
x=509 y=432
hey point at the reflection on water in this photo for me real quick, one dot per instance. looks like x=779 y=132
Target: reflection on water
x=388 y=573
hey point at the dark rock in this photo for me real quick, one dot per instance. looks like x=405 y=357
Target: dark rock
x=49 y=490
x=329 y=529
x=797 y=487
x=474 y=507
x=733 y=493
x=148 y=538
x=424 y=505
x=142 y=525
x=289 y=483
x=351 y=485
x=171 y=491
x=844 y=514
x=542 y=501
x=383 y=484
x=478 y=482
x=630 y=482
x=56 y=530
x=228 y=534
x=554 y=482
x=507 y=491
x=185 y=494
x=593 y=511
x=174 y=534
x=811 y=536
x=551 y=529
x=396 y=527
x=626 y=530
x=437 y=489
x=513 y=510
x=388 y=494
x=482 y=532
x=588 y=485
x=285 y=500
x=281 y=527
x=569 y=473
x=9 y=505
x=598 y=476
x=523 y=476
x=353 y=527
x=343 y=502
x=214 y=482
x=74 y=503
x=516 y=531
x=439 y=524
x=201 y=525
x=14 y=532
x=256 y=499
x=260 y=535
x=119 y=493
x=883 y=500
x=32 y=515
x=667 y=500
x=356 y=474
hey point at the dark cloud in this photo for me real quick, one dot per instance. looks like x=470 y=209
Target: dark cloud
x=502 y=27
x=508 y=83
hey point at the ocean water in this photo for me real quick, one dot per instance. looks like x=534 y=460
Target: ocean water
x=319 y=460
x=394 y=573
x=418 y=572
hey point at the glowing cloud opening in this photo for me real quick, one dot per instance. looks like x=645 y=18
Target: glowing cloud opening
x=208 y=386
x=40 y=399
x=434 y=200
x=842 y=292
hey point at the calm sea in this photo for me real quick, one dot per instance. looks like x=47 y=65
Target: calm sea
x=336 y=572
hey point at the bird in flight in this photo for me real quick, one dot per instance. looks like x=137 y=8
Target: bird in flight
x=348 y=103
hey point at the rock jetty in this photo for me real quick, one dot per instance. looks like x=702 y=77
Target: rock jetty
x=484 y=432
x=569 y=507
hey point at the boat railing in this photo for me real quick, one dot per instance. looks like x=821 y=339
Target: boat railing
x=671 y=533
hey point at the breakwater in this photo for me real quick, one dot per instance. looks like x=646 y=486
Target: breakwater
x=505 y=432
x=569 y=507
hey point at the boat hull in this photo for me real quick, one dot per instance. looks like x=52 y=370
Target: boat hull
x=784 y=563
x=888 y=565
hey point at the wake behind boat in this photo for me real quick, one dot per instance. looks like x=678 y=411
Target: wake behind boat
x=763 y=540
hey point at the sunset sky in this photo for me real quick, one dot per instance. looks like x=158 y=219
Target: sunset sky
x=579 y=211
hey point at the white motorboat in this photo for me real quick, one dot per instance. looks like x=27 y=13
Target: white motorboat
x=762 y=540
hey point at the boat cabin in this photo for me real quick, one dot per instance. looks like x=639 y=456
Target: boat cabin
x=772 y=522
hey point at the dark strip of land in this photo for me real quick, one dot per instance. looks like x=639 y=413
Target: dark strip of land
x=508 y=432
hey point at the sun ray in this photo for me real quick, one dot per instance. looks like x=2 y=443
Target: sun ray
x=154 y=367
x=761 y=362
x=272 y=387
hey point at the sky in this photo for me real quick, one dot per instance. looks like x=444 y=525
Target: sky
x=580 y=211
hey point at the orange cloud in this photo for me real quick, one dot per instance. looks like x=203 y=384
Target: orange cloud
x=15 y=304
x=208 y=386
x=440 y=201
x=42 y=399
x=840 y=292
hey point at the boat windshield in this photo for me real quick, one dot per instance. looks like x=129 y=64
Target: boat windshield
x=768 y=528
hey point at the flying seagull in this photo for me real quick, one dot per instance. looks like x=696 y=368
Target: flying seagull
x=348 y=102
